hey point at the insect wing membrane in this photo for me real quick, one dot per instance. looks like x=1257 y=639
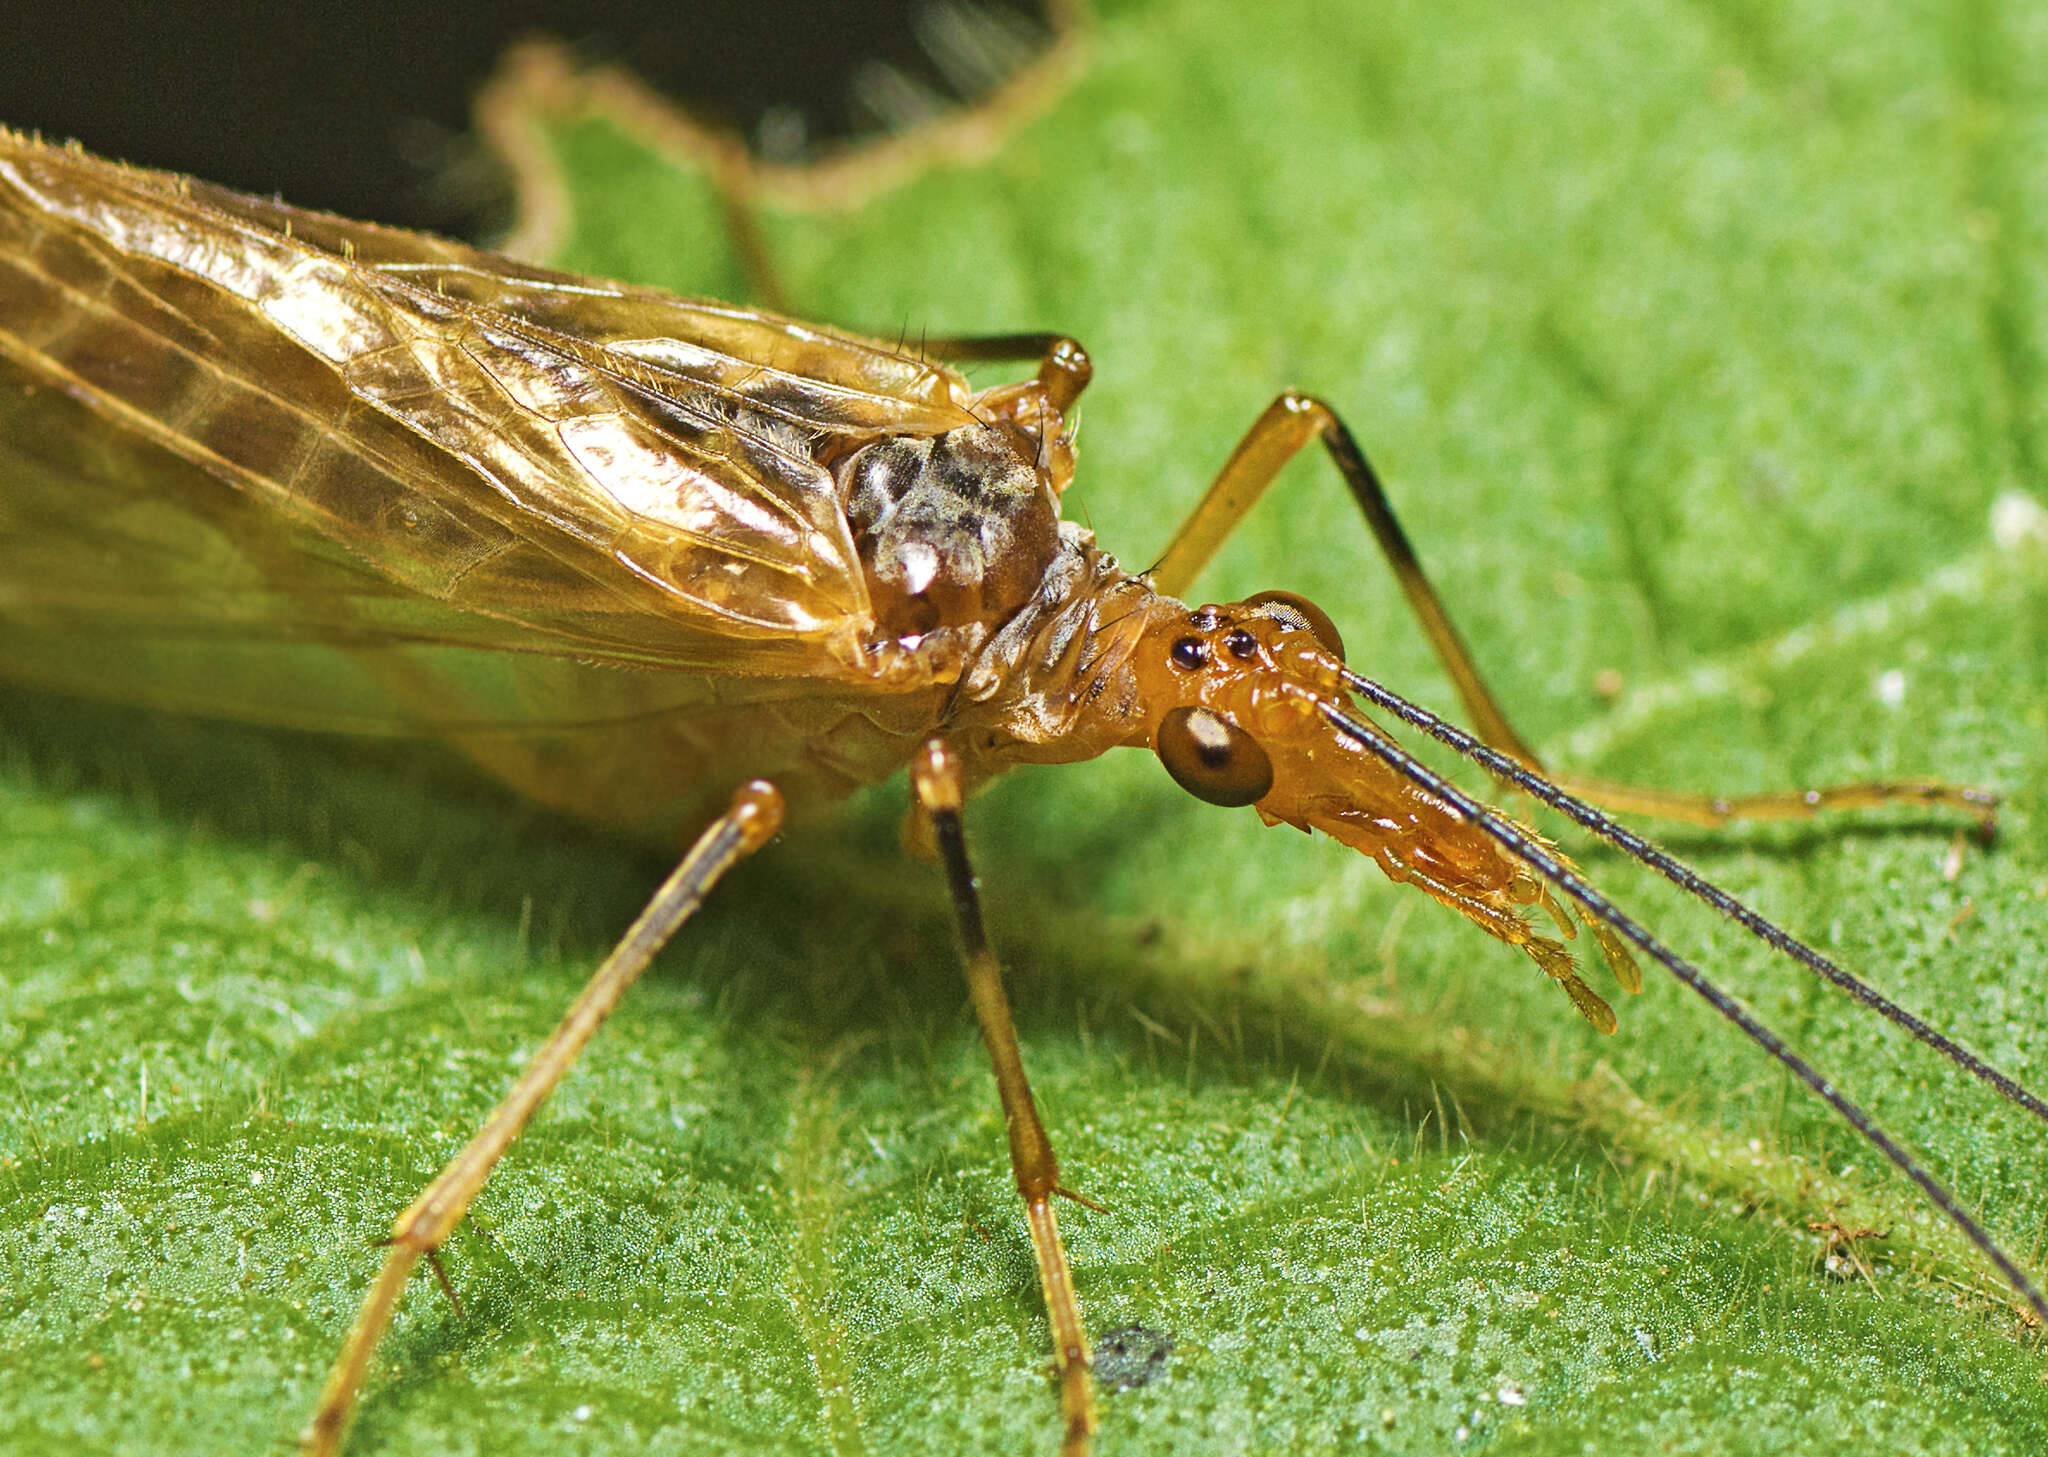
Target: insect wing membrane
x=326 y=474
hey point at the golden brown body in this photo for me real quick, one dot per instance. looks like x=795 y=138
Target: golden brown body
x=327 y=475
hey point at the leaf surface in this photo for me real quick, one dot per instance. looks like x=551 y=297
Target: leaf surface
x=1702 y=348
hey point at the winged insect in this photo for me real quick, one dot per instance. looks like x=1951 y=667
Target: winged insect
x=664 y=563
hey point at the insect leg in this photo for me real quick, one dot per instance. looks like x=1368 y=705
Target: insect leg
x=735 y=179
x=750 y=822
x=1290 y=423
x=935 y=778
x=1064 y=368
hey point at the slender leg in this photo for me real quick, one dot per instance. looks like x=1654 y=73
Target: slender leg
x=1294 y=420
x=935 y=778
x=752 y=820
x=757 y=259
x=732 y=171
x=1064 y=368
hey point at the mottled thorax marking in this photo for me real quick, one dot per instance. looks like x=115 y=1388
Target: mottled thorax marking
x=951 y=529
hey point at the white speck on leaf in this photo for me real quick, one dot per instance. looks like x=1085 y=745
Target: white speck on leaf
x=2018 y=520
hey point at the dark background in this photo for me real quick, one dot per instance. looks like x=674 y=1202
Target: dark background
x=364 y=109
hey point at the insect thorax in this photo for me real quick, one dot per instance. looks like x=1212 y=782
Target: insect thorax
x=952 y=529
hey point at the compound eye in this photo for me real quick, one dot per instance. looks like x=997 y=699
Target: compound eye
x=1212 y=758
x=1302 y=615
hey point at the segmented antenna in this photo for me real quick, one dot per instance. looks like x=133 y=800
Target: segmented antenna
x=1526 y=848
x=1694 y=884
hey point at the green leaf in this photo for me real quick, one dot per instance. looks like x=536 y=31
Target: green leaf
x=1702 y=348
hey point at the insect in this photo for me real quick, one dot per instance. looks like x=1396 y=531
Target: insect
x=664 y=563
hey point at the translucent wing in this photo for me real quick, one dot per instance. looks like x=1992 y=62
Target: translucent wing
x=237 y=421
